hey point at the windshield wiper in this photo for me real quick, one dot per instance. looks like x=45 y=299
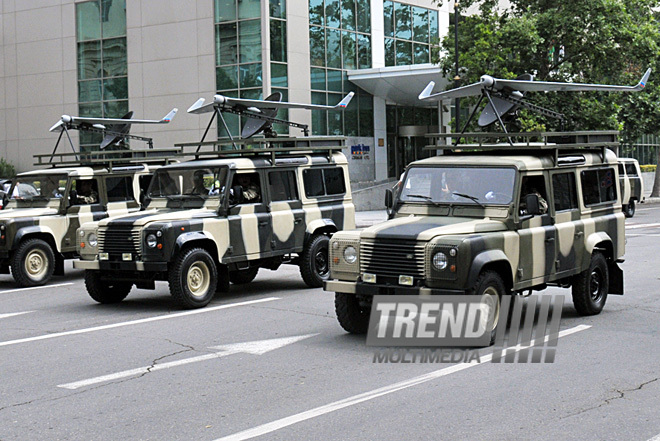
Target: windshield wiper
x=423 y=196
x=467 y=196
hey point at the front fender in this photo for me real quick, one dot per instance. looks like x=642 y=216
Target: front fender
x=596 y=238
x=485 y=258
x=315 y=225
x=187 y=238
x=34 y=229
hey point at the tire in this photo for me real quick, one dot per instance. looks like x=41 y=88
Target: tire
x=629 y=209
x=590 y=286
x=491 y=285
x=104 y=291
x=243 y=276
x=314 y=262
x=350 y=315
x=33 y=263
x=193 y=278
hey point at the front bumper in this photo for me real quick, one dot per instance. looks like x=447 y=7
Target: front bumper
x=108 y=265
x=360 y=288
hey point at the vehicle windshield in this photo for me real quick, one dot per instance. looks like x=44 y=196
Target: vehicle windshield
x=43 y=188
x=188 y=182
x=464 y=185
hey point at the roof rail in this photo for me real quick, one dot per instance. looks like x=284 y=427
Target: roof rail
x=550 y=142
x=264 y=146
x=109 y=158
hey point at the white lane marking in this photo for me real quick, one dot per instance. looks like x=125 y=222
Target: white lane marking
x=34 y=287
x=636 y=226
x=643 y=235
x=13 y=314
x=252 y=347
x=366 y=396
x=655 y=438
x=135 y=322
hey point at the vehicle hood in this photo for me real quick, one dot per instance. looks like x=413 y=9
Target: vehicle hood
x=14 y=213
x=142 y=218
x=426 y=228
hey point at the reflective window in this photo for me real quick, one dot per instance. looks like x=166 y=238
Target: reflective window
x=339 y=40
x=598 y=186
x=282 y=186
x=563 y=190
x=102 y=62
x=119 y=188
x=410 y=33
x=324 y=181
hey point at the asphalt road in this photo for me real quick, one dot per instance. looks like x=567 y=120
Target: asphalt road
x=71 y=369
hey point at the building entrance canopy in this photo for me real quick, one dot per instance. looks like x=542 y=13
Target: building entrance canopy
x=399 y=84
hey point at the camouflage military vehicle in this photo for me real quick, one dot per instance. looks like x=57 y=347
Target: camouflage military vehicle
x=631 y=185
x=213 y=221
x=46 y=207
x=494 y=221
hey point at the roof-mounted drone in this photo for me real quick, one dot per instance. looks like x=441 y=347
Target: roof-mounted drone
x=506 y=96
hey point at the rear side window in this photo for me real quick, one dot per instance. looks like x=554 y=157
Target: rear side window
x=631 y=170
x=563 y=189
x=598 y=186
x=323 y=181
x=282 y=186
x=119 y=188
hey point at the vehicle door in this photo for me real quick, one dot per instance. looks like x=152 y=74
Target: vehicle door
x=624 y=184
x=120 y=195
x=84 y=204
x=635 y=181
x=250 y=226
x=568 y=222
x=286 y=211
x=537 y=233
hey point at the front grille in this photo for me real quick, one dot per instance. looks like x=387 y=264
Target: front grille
x=116 y=240
x=392 y=258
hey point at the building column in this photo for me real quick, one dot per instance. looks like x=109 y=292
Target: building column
x=298 y=70
x=380 y=115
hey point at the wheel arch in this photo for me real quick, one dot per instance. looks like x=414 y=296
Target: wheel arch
x=492 y=260
x=320 y=226
x=36 y=232
x=196 y=239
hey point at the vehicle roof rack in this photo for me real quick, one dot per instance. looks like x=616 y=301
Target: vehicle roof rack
x=550 y=142
x=109 y=158
x=264 y=146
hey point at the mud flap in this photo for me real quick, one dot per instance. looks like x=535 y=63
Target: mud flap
x=616 y=279
x=59 y=266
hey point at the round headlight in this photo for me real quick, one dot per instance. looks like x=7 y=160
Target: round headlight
x=440 y=261
x=151 y=240
x=92 y=240
x=350 y=254
x=82 y=233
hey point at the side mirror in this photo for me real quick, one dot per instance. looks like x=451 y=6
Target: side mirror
x=389 y=199
x=533 y=205
x=236 y=195
x=73 y=197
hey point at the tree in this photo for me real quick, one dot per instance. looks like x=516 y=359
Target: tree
x=591 y=41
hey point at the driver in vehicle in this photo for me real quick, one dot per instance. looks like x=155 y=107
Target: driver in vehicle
x=198 y=183
x=251 y=192
x=86 y=193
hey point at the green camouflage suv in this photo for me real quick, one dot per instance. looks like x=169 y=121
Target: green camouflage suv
x=45 y=208
x=490 y=220
x=213 y=221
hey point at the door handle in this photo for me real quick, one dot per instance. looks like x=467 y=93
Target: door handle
x=550 y=240
x=263 y=223
x=579 y=234
x=297 y=221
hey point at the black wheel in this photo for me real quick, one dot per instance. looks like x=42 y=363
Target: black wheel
x=243 y=276
x=314 y=267
x=33 y=263
x=490 y=287
x=104 y=291
x=193 y=278
x=590 y=287
x=351 y=316
x=629 y=209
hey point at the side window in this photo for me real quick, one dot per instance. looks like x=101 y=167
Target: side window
x=144 y=182
x=631 y=170
x=622 y=172
x=324 y=181
x=563 y=189
x=119 y=188
x=251 y=186
x=282 y=186
x=86 y=192
x=598 y=186
x=533 y=185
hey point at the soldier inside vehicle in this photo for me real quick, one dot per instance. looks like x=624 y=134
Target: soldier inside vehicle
x=86 y=192
x=249 y=183
x=533 y=185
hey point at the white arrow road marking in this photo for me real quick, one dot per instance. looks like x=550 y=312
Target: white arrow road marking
x=252 y=347
x=34 y=287
x=357 y=399
x=13 y=314
x=136 y=322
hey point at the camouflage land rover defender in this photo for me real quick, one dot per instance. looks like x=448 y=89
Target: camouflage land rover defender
x=493 y=221
x=46 y=207
x=213 y=221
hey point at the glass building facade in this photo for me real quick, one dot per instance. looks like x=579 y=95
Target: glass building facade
x=340 y=40
x=410 y=33
x=102 y=62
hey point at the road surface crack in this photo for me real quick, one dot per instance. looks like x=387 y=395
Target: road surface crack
x=620 y=394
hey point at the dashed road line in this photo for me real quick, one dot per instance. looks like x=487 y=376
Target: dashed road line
x=35 y=287
x=14 y=314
